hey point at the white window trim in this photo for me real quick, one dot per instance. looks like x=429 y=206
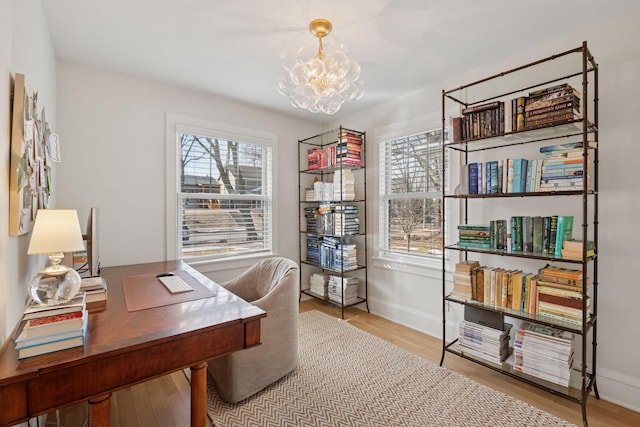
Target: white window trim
x=175 y=124
x=423 y=266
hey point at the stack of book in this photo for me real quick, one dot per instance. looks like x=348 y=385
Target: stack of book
x=346 y=151
x=313 y=249
x=484 y=342
x=45 y=329
x=572 y=249
x=343 y=290
x=311 y=215
x=318 y=285
x=474 y=236
x=309 y=193
x=344 y=185
x=314 y=158
x=563 y=167
x=462 y=279
x=551 y=106
x=95 y=290
x=349 y=149
x=345 y=220
x=323 y=191
x=325 y=219
x=544 y=352
x=338 y=255
x=345 y=256
x=560 y=295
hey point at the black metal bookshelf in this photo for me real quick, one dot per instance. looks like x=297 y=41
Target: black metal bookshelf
x=329 y=142
x=579 y=67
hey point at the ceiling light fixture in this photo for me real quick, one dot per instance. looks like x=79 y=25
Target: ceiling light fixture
x=320 y=81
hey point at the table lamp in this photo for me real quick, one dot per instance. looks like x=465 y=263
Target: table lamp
x=55 y=231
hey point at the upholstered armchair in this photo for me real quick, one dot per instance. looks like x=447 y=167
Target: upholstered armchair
x=273 y=285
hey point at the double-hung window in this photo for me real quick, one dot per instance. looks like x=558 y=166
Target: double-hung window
x=224 y=193
x=411 y=182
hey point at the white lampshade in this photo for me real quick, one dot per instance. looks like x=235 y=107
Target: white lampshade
x=56 y=230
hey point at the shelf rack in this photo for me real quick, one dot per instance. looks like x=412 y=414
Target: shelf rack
x=324 y=140
x=573 y=65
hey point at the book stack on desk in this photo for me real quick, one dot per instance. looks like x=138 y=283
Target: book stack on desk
x=95 y=289
x=45 y=329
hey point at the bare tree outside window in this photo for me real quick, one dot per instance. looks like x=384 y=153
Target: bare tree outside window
x=412 y=186
x=225 y=195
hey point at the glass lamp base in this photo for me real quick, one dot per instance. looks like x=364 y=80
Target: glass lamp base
x=55 y=285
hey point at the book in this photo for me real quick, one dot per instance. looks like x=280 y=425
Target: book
x=53 y=324
x=518 y=105
x=561 y=275
x=537 y=234
x=473 y=178
x=564 y=232
x=50 y=347
x=35 y=310
x=567 y=146
x=516 y=286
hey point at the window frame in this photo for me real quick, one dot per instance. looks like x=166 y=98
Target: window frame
x=385 y=258
x=178 y=124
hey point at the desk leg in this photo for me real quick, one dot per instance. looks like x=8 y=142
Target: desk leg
x=199 y=395
x=100 y=411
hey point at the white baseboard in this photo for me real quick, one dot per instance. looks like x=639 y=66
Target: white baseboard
x=618 y=388
x=411 y=318
x=615 y=387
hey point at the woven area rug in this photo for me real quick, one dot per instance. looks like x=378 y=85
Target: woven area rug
x=347 y=377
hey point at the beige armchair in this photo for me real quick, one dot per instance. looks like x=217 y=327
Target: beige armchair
x=273 y=285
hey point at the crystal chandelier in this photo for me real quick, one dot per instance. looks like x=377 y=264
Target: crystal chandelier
x=320 y=81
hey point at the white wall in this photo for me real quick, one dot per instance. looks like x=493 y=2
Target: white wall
x=25 y=47
x=112 y=133
x=411 y=295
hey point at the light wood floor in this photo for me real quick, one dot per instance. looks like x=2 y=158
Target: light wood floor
x=165 y=401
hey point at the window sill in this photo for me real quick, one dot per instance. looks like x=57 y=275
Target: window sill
x=417 y=266
x=231 y=263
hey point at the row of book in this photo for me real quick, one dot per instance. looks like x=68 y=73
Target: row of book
x=49 y=328
x=335 y=220
x=342 y=188
x=541 y=108
x=347 y=151
x=553 y=292
x=561 y=168
x=545 y=235
x=480 y=121
x=331 y=253
x=544 y=352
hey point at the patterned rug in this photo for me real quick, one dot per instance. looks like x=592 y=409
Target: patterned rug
x=347 y=377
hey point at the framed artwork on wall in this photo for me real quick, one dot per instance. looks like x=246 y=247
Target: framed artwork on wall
x=30 y=181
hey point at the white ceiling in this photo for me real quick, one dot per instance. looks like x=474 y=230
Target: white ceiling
x=232 y=48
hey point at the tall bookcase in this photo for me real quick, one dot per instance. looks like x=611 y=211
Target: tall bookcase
x=332 y=188
x=520 y=114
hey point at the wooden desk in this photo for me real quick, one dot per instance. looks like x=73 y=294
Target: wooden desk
x=124 y=348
